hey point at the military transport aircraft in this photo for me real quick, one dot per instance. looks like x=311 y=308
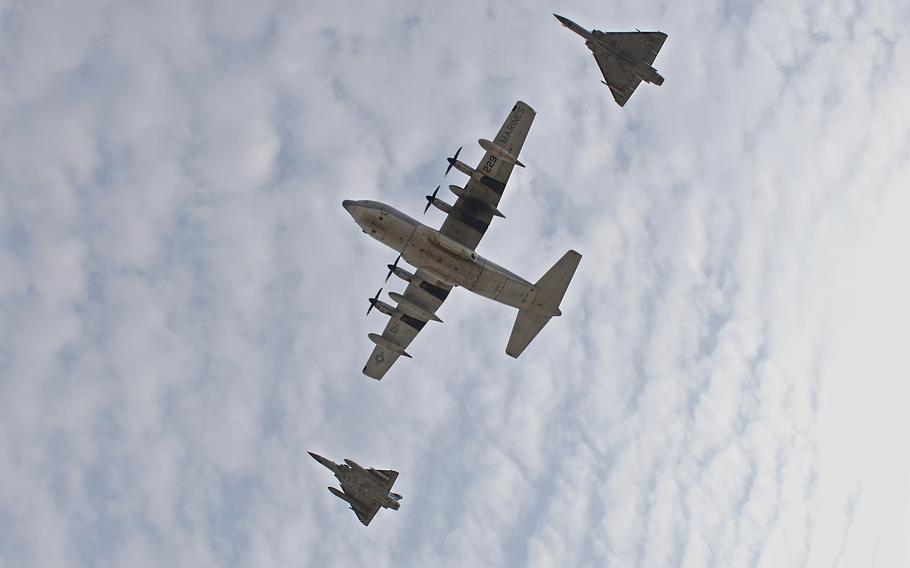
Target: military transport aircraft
x=445 y=258
x=365 y=490
x=624 y=58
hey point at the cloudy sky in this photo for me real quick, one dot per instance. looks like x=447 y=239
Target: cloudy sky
x=182 y=296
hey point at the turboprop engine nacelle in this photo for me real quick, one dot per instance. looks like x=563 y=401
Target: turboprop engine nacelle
x=407 y=306
x=499 y=152
x=442 y=205
x=384 y=308
x=465 y=169
x=401 y=273
x=460 y=192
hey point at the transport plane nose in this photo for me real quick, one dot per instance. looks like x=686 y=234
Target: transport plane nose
x=347 y=204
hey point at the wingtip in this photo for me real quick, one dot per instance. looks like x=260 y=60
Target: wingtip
x=375 y=378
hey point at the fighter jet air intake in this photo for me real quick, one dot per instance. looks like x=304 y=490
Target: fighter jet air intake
x=364 y=490
x=446 y=258
x=624 y=58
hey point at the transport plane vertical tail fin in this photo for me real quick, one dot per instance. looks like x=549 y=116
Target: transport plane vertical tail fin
x=545 y=304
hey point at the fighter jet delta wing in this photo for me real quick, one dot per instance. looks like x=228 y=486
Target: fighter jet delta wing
x=635 y=46
x=368 y=489
x=624 y=47
x=618 y=77
x=478 y=201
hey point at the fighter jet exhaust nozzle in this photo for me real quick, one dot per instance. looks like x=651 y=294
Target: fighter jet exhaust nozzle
x=374 y=299
x=430 y=198
x=453 y=159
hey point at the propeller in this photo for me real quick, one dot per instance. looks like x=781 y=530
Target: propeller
x=373 y=301
x=430 y=199
x=452 y=160
x=393 y=266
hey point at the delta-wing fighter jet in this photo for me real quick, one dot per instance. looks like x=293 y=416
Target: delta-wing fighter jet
x=624 y=58
x=365 y=490
x=446 y=258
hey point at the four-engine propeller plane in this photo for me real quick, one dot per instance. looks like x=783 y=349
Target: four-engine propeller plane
x=365 y=490
x=446 y=258
x=624 y=58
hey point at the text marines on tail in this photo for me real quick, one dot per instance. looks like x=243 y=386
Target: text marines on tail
x=445 y=258
x=624 y=58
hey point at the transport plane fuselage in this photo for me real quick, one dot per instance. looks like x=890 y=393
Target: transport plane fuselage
x=444 y=258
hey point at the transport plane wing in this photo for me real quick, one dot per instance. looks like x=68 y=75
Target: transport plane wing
x=478 y=201
x=423 y=294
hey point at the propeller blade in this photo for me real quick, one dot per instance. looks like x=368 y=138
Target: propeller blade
x=430 y=199
x=453 y=159
x=392 y=268
x=373 y=301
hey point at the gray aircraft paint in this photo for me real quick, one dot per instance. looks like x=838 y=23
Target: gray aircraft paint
x=446 y=257
x=365 y=490
x=624 y=58
x=453 y=263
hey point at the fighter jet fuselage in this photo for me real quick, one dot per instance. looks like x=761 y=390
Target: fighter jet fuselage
x=444 y=258
x=365 y=490
x=625 y=58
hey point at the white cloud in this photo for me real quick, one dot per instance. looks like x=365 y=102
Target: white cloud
x=182 y=294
